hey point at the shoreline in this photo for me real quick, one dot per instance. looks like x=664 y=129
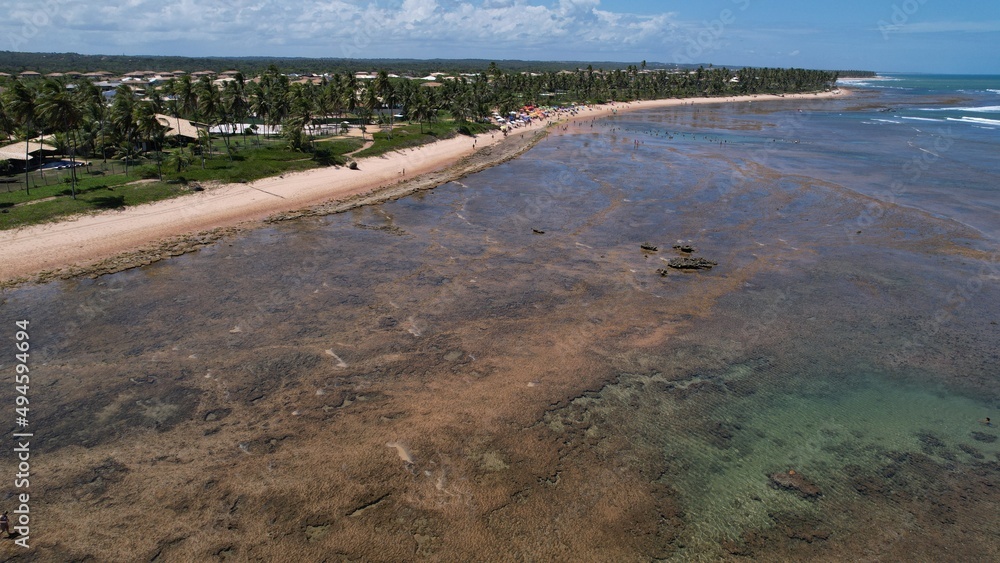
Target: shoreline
x=92 y=245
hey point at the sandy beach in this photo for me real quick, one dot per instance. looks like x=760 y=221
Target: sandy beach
x=497 y=365
x=76 y=246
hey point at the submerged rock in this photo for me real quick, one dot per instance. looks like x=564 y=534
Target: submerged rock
x=983 y=437
x=648 y=247
x=721 y=434
x=684 y=248
x=791 y=480
x=691 y=263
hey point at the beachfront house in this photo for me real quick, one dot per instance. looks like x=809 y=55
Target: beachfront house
x=182 y=129
x=13 y=153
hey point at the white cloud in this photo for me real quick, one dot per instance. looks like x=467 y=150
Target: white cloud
x=948 y=27
x=417 y=10
x=395 y=28
x=568 y=7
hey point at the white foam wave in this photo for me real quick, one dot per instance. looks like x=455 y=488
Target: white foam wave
x=992 y=90
x=979 y=109
x=923 y=119
x=877 y=82
x=868 y=79
x=887 y=121
x=979 y=120
x=983 y=109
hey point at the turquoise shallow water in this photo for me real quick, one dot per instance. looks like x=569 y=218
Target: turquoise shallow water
x=821 y=435
x=847 y=333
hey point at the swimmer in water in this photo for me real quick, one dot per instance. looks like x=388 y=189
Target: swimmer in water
x=986 y=421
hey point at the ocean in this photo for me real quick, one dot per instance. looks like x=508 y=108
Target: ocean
x=498 y=370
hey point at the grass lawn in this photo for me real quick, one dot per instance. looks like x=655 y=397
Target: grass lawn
x=85 y=182
x=99 y=191
x=247 y=165
x=341 y=145
x=113 y=194
x=408 y=136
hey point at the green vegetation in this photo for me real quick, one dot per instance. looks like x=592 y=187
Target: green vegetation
x=247 y=166
x=410 y=136
x=97 y=190
x=15 y=62
x=160 y=130
x=93 y=194
x=856 y=74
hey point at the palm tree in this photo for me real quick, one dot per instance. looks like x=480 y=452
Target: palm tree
x=300 y=107
x=420 y=108
x=459 y=105
x=6 y=123
x=387 y=93
x=350 y=93
x=185 y=99
x=178 y=158
x=186 y=96
x=292 y=131
x=151 y=129
x=333 y=96
x=209 y=106
x=234 y=106
x=96 y=110
x=123 y=121
x=273 y=92
x=22 y=107
x=507 y=104
x=257 y=104
x=204 y=138
x=58 y=108
x=370 y=103
x=6 y=128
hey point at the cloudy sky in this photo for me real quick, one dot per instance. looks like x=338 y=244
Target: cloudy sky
x=886 y=35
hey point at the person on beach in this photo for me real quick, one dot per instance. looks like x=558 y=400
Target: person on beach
x=5 y=524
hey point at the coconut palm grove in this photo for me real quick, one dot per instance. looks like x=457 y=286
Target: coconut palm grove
x=74 y=135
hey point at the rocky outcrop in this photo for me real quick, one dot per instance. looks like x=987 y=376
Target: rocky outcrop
x=792 y=481
x=691 y=264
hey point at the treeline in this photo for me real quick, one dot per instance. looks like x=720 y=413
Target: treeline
x=14 y=63
x=85 y=123
x=633 y=83
x=45 y=63
x=856 y=73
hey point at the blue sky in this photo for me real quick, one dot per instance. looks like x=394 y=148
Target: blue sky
x=958 y=36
